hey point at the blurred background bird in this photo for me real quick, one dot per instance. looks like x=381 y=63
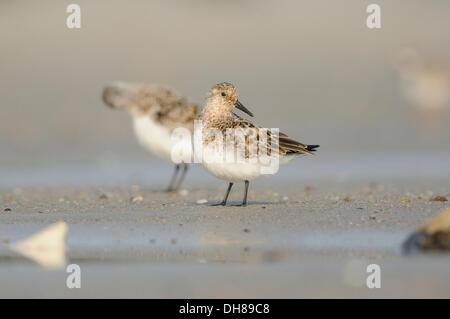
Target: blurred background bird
x=156 y=111
x=425 y=83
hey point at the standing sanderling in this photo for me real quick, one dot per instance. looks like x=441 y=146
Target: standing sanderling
x=237 y=145
x=156 y=112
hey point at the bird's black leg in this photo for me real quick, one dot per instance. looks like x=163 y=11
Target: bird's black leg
x=174 y=176
x=244 y=202
x=224 y=202
x=185 y=168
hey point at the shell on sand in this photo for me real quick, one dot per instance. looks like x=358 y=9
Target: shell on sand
x=432 y=236
x=47 y=247
x=440 y=222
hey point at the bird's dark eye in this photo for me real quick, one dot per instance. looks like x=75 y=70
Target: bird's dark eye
x=224 y=94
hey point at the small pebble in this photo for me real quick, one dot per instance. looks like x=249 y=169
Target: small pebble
x=103 y=196
x=347 y=199
x=272 y=256
x=137 y=199
x=405 y=201
x=246 y=230
x=439 y=199
x=202 y=201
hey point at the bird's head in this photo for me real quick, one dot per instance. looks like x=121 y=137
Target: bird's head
x=224 y=98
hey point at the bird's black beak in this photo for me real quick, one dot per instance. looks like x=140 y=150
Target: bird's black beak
x=241 y=107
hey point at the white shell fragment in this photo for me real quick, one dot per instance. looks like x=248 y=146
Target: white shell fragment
x=47 y=247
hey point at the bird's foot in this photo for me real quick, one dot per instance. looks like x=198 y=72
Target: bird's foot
x=241 y=205
x=222 y=203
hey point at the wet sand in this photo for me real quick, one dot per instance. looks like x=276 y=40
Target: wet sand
x=306 y=239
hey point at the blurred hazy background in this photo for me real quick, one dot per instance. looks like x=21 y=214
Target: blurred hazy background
x=312 y=68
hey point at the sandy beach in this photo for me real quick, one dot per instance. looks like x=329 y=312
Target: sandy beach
x=311 y=238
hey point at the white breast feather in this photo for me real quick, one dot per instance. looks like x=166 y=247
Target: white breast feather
x=153 y=136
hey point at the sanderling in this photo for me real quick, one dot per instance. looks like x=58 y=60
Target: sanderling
x=425 y=84
x=252 y=141
x=156 y=112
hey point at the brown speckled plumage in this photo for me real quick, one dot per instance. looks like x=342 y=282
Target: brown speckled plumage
x=218 y=115
x=162 y=104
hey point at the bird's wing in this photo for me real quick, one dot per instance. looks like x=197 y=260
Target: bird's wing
x=286 y=145
x=172 y=110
